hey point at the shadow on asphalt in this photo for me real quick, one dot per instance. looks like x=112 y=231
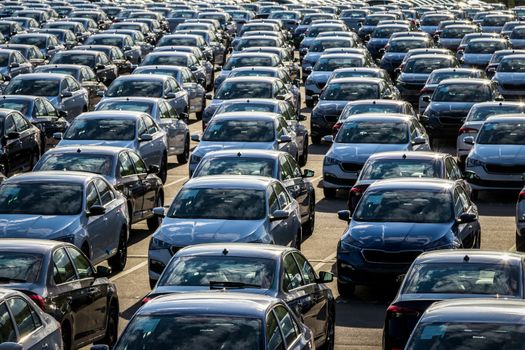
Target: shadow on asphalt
x=130 y=311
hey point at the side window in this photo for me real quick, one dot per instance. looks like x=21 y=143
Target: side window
x=21 y=123
x=449 y=169
x=172 y=113
x=65 y=85
x=292 y=276
x=284 y=124
x=175 y=87
x=141 y=127
x=305 y=267
x=163 y=109
x=125 y=165
x=63 y=270
x=7 y=330
x=282 y=196
x=286 y=170
x=151 y=128
x=296 y=172
x=463 y=197
x=275 y=338
x=25 y=317
x=140 y=167
x=273 y=202
x=73 y=85
x=39 y=110
x=413 y=131
x=106 y=194
x=92 y=196
x=82 y=264
x=287 y=324
x=456 y=173
x=458 y=204
x=9 y=125
x=51 y=111
x=104 y=60
x=117 y=54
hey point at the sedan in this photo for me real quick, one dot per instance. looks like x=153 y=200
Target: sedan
x=79 y=208
x=281 y=273
x=30 y=53
x=396 y=50
x=47 y=43
x=105 y=70
x=478 y=52
x=57 y=275
x=124 y=42
x=509 y=76
x=217 y=209
x=398 y=219
x=12 y=63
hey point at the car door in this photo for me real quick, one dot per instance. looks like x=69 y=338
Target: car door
x=169 y=125
x=110 y=70
x=96 y=291
x=274 y=338
x=28 y=324
x=148 y=187
x=471 y=230
x=464 y=231
x=90 y=83
x=297 y=188
x=180 y=97
x=111 y=217
x=55 y=121
x=130 y=185
x=277 y=227
x=79 y=95
x=191 y=86
x=152 y=150
x=96 y=225
x=28 y=139
x=13 y=147
x=285 y=203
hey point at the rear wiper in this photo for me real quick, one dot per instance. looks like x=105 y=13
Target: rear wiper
x=228 y=284
x=8 y=279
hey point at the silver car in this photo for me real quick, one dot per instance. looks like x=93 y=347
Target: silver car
x=229 y=208
x=362 y=135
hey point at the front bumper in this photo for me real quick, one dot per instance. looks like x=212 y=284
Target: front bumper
x=335 y=177
x=483 y=180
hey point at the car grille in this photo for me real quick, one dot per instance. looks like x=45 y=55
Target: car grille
x=513 y=86
x=412 y=86
x=452 y=120
x=174 y=250
x=381 y=256
x=351 y=166
x=341 y=182
x=321 y=85
x=505 y=169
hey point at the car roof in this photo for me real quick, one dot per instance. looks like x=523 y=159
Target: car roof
x=253 y=54
x=407 y=155
x=480 y=40
x=81 y=52
x=371 y=80
x=423 y=56
x=246 y=115
x=59 y=176
x=498 y=103
x=466 y=81
x=379 y=102
x=455 y=69
x=151 y=77
x=387 y=117
x=51 y=76
x=154 y=100
x=235 y=249
x=62 y=65
x=231 y=182
x=342 y=55
x=29 y=245
x=432 y=184
x=231 y=153
x=252 y=79
x=112 y=114
x=466 y=256
x=109 y=150
x=268 y=101
x=506 y=118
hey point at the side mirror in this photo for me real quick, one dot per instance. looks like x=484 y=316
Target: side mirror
x=325 y=277
x=193 y=68
x=280 y=97
x=279 y=215
x=195 y=137
x=284 y=139
x=159 y=211
x=466 y=218
x=127 y=48
x=426 y=99
x=61 y=114
x=170 y=95
x=58 y=135
x=100 y=66
x=469 y=140
x=183 y=116
x=96 y=210
x=66 y=93
x=419 y=140
x=14 y=65
x=103 y=271
x=328 y=139
x=469 y=175
x=51 y=47
x=13 y=135
x=301 y=117
x=345 y=215
x=397 y=70
x=308 y=173
x=209 y=96
x=145 y=137
x=153 y=169
x=308 y=70
x=100 y=93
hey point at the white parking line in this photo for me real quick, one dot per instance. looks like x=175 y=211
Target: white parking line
x=512 y=248
x=316 y=178
x=175 y=182
x=325 y=261
x=127 y=272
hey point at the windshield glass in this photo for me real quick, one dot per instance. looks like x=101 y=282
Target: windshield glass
x=253 y=61
x=35 y=87
x=394 y=168
x=133 y=106
x=331 y=64
x=191 y=332
x=433 y=20
x=406 y=45
x=243 y=89
x=177 y=41
x=236 y=166
x=419 y=206
x=240 y=131
x=39 y=42
x=21 y=106
x=355 y=74
x=73 y=58
x=101 y=129
x=370 y=108
x=373 y=132
x=105 y=40
x=426 y=65
x=386 y=32
x=201 y=270
x=462 y=93
x=350 y=91
x=246 y=107
x=91 y=163
x=502 y=134
x=253 y=42
x=329 y=44
x=515 y=65
x=19 y=267
x=480 y=114
x=129 y=87
x=484 y=47
x=170 y=60
x=36 y=198
x=456 y=33
x=219 y=204
x=436 y=78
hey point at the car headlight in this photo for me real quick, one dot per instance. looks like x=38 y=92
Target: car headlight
x=195 y=158
x=67 y=239
x=157 y=244
x=347 y=247
x=330 y=161
x=474 y=162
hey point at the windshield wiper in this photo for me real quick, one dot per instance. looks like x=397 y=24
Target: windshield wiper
x=8 y=279
x=229 y=284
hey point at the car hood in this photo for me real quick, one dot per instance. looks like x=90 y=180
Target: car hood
x=395 y=236
x=414 y=77
x=506 y=154
x=348 y=152
x=123 y=144
x=208 y=146
x=329 y=107
x=453 y=107
x=37 y=226
x=184 y=232
x=318 y=76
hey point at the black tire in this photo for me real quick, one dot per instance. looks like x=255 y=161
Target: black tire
x=110 y=338
x=163 y=173
x=304 y=157
x=184 y=156
x=308 y=227
x=155 y=221
x=329 y=343
x=316 y=140
x=520 y=243
x=299 y=240
x=152 y=283
x=309 y=103
x=345 y=289
x=329 y=192
x=199 y=115
x=118 y=261
x=66 y=336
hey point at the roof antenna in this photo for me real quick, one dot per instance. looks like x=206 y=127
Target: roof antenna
x=466 y=258
x=404 y=156
x=239 y=154
x=79 y=150
x=225 y=251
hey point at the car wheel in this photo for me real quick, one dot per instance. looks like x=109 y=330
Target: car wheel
x=298 y=240
x=155 y=221
x=163 y=173
x=316 y=140
x=308 y=228
x=66 y=335
x=199 y=115
x=309 y=103
x=184 y=156
x=304 y=157
x=329 y=192
x=152 y=283
x=345 y=289
x=520 y=243
x=110 y=338
x=118 y=261
x=329 y=342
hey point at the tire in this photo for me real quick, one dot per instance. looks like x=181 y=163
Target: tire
x=155 y=221
x=329 y=192
x=184 y=156
x=304 y=157
x=110 y=338
x=345 y=289
x=66 y=336
x=316 y=140
x=118 y=261
x=163 y=173
x=520 y=243
x=309 y=103
x=308 y=228
x=329 y=343
x=199 y=115
x=152 y=283
x=298 y=240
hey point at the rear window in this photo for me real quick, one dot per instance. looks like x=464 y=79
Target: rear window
x=18 y=267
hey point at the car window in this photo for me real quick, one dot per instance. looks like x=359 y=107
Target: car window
x=287 y=324
x=163 y=108
x=21 y=123
x=282 y=196
x=296 y=172
x=39 y=110
x=65 y=85
x=141 y=127
x=175 y=87
x=286 y=170
x=449 y=169
x=125 y=165
x=63 y=270
x=73 y=85
x=92 y=196
x=106 y=194
x=458 y=204
x=273 y=202
x=150 y=125
x=9 y=125
x=7 y=330
x=305 y=267
x=51 y=111
x=292 y=276
x=275 y=338
x=104 y=60
x=25 y=317
x=140 y=167
x=82 y=265
x=172 y=113
x=464 y=198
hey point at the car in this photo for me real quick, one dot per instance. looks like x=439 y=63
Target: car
x=76 y=27
x=478 y=52
x=55 y=275
x=248 y=130
x=28 y=23
x=79 y=208
x=358 y=72
x=380 y=36
x=451 y=101
x=150 y=85
x=230 y=320
x=493 y=23
x=25 y=324
x=114 y=55
x=467 y=38
x=495 y=323
x=64 y=36
x=496 y=58
x=438 y=75
x=517 y=37
x=363 y=135
x=218 y=50
x=105 y=70
x=317 y=48
x=495 y=161
x=371 y=21
x=450 y=274
x=47 y=43
x=207 y=210
x=63 y=91
x=396 y=49
x=451 y=36
x=10 y=28
x=306 y=23
x=429 y=21
x=389 y=165
x=354 y=18
x=508 y=76
x=182 y=39
x=275 y=266
x=395 y=221
x=478 y=113
x=30 y=53
x=275 y=164
x=12 y=63
x=337 y=93
x=287 y=59
x=131 y=50
x=99 y=17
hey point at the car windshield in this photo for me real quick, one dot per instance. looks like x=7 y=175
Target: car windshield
x=462 y=93
x=5 y=28
x=191 y=332
x=21 y=106
x=169 y=60
x=481 y=335
x=480 y=114
x=139 y=88
x=433 y=20
x=236 y=166
x=35 y=87
x=4 y=59
x=177 y=41
x=219 y=204
x=19 y=267
x=73 y=58
x=254 y=73
x=394 y=168
x=201 y=270
x=240 y=131
x=159 y=71
x=361 y=131
x=355 y=74
x=105 y=40
x=514 y=65
x=502 y=134
x=374 y=20
x=246 y=107
x=101 y=129
x=74 y=72
x=254 y=61
x=244 y=89
x=350 y=91
x=133 y=106
x=92 y=163
x=485 y=47
x=38 y=41
x=406 y=45
x=418 y=206
x=473 y=278
x=518 y=33
x=436 y=78
x=331 y=64
x=386 y=32
x=36 y=198
x=369 y=108
x=456 y=33
x=253 y=42
x=426 y=65
x=329 y=44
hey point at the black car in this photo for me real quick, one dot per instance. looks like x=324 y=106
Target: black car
x=105 y=70
x=122 y=167
x=280 y=272
x=114 y=54
x=59 y=278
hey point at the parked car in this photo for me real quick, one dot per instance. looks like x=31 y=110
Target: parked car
x=12 y=63
x=396 y=49
x=114 y=55
x=47 y=43
x=104 y=69
x=478 y=52
x=30 y=53
x=131 y=50
x=451 y=36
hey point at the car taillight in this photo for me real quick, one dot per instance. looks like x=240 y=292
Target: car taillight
x=146 y=300
x=398 y=311
x=336 y=127
x=425 y=91
x=521 y=196
x=356 y=191
x=40 y=301
x=467 y=130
